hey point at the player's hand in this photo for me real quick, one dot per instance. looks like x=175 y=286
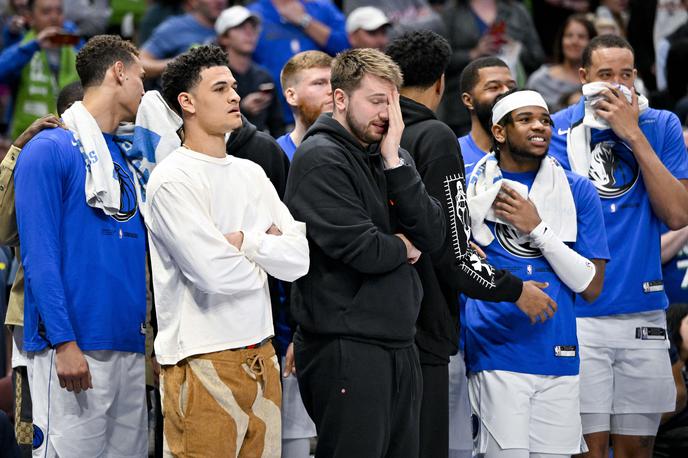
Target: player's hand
x=511 y=207
x=412 y=253
x=536 y=303
x=273 y=230
x=46 y=122
x=289 y=363
x=255 y=102
x=389 y=146
x=72 y=367
x=236 y=239
x=621 y=115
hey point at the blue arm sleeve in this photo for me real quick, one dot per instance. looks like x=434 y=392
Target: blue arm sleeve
x=39 y=184
x=14 y=59
x=338 y=40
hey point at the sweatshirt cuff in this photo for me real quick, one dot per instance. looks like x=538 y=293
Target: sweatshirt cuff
x=10 y=159
x=252 y=243
x=512 y=287
x=401 y=178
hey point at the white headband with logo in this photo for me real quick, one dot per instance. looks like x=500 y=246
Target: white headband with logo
x=515 y=101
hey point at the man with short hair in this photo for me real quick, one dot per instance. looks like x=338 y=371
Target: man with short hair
x=38 y=66
x=540 y=222
x=368 y=27
x=636 y=158
x=369 y=218
x=237 y=33
x=217 y=228
x=177 y=34
x=482 y=81
x=456 y=267
x=305 y=80
x=84 y=317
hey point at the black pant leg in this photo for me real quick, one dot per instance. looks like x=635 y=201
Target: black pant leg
x=434 y=416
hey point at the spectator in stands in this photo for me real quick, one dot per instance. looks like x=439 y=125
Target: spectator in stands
x=554 y=81
x=485 y=28
x=292 y=26
x=91 y=16
x=615 y=10
x=179 y=33
x=38 y=65
x=157 y=13
x=237 y=33
x=368 y=27
x=15 y=23
x=405 y=15
x=548 y=15
x=674 y=96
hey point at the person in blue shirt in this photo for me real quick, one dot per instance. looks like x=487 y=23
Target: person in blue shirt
x=481 y=82
x=636 y=159
x=177 y=34
x=305 y=80
x=85 y=291
x=524 y=373
x=675 y=265
x=292 y=26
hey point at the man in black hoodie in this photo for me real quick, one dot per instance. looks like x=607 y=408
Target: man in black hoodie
x=455 y=267
x=368 y=218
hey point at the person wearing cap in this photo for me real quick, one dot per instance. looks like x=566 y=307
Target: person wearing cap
x=545 y=224
x=237 y=33
x=368 y=27
x=292 y=26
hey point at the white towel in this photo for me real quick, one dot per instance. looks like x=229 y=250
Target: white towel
x=550 y=193
x=102 y=184
x=578 y=138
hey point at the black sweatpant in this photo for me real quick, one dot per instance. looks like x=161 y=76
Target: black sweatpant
x=434 y=413
x=364 y=398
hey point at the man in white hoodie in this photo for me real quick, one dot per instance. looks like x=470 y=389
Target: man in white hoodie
x=217 y=228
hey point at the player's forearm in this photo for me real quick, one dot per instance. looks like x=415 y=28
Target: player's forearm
x=672 y=242
x=668 y=196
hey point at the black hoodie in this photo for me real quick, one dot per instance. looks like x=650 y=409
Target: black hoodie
x=249 y=143
x=360 y=284
x=454 y=268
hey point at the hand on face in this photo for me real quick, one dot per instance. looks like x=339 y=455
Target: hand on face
x=621 y=115
x=389 y=146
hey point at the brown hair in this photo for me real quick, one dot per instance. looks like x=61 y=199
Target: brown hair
x=349 y=68
x=98 y=54
x=302 y=61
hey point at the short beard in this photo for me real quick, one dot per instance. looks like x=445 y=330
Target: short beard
x=523 y=156
x=308 y=113
x=483 y=112
x=360 y=131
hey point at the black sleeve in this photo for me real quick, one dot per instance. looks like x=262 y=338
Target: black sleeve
x=267 y=153
x=325 y=198
x=455 y=262
x=419 y=215
x=275 y=118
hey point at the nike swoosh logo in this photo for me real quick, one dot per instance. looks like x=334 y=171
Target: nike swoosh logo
x=561 y=131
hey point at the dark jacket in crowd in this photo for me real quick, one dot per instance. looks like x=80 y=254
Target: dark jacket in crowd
x=259 y=147
x=360 y=284
x=454 y=268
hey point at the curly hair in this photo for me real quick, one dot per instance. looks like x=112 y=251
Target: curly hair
x=422 y=56
x=100 y=53
x=184 y=72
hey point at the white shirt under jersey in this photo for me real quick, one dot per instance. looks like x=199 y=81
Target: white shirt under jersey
x=209 y=296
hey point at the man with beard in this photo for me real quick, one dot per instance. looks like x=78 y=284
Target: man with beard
x=305 y=81
x=455 y=267
x=538 y=221
x=369 y=218
x=635 y=157
x=481 y=82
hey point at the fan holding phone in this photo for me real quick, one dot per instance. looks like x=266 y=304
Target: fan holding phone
x=42 y=63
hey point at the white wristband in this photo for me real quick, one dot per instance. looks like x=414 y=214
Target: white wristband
x=574 y=270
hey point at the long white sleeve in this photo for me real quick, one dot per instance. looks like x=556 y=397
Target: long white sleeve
x=178 y=220
x=286 y=256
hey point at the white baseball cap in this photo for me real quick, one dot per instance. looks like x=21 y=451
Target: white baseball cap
x=233 y=17
x=367 y=18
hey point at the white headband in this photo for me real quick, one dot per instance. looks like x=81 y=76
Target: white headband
x=515 y=101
